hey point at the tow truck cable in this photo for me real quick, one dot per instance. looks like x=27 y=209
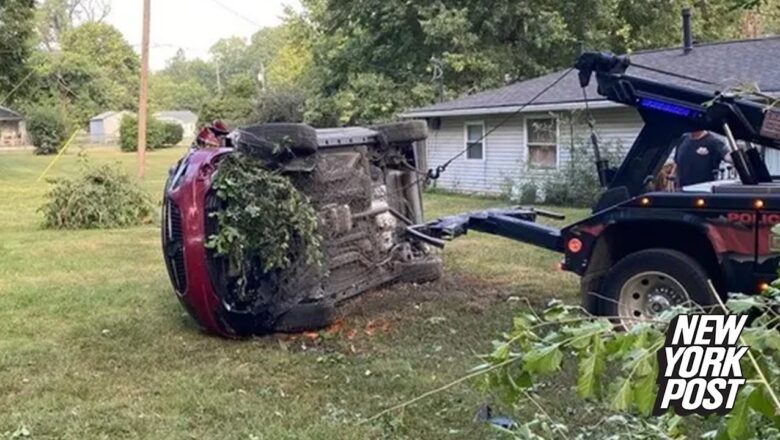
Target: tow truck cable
x=601 y=164
x=435 y=174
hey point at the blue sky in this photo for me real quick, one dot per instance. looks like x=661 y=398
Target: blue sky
x=194 y=25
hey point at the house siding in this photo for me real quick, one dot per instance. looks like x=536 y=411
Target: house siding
x=506 y=152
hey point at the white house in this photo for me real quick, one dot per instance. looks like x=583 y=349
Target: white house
x=528 y=145
x=187 y=119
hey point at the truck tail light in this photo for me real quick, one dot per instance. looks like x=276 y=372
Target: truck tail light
x=574 y=245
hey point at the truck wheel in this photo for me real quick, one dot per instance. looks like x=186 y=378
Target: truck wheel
x=300 y=138
x=645 y=284
x=403 y=132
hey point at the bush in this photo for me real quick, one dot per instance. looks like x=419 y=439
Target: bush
x=279 y=106
x=529 y=194
x=577 y=184
x=128 y=134
x=174 y=133
x=100 y=198
x=47 y=129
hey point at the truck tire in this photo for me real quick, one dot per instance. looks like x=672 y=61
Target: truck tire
x=403 y=132
x=300 y=138
x=646 y=283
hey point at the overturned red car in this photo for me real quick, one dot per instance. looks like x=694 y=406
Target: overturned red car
x=366 y=189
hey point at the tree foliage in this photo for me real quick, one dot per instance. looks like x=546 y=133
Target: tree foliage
x=47 y=128
x=16 y=33
x=95 y=70
x=159 y=134
x=56 y=17
x=618 y=370
x=265 y=219
x=446 y=48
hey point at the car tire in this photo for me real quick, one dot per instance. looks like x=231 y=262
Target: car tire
x=643 y=284
x=306 y=317
x=300 y=138
x=403 y=132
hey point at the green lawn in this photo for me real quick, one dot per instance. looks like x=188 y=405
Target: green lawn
x=93 y=343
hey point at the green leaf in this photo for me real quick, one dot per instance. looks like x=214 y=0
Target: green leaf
x=590 y=369
x=500 y=354
x=545 y=360
x=645 y=394
x=555 y=311
x=761 y=401
x=622 y=399
x=740 y=304
x=738 y=423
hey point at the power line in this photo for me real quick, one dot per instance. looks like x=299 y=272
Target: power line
x=236 y=13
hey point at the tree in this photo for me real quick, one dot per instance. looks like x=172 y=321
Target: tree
x=16 y=32
x=165 y=93
x=95 y=70
x=232 y=58
x=55 y=17
x=179 y=69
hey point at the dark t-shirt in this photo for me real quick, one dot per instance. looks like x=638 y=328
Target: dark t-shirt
x=698 y=160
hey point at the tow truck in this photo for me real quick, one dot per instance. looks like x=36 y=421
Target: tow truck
x=641 y=251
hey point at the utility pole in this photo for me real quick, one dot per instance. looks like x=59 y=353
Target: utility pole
x=219 y=76
x=143 y=98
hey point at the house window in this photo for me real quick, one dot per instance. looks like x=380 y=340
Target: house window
x=542 y=142
x=475 y=140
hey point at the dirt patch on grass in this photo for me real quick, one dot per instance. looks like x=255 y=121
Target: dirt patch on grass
x=468 y=293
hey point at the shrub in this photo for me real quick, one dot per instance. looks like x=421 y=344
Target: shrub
x=578 y=184
x=529 y=194
x=47 y=129
x=128 y=134
x=174 y=133
x=279 y=106
x=99 y=198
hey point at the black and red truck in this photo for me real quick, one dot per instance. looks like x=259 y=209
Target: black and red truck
x=642 y=251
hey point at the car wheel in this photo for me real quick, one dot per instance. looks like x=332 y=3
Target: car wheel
x=301 y=139
x=306 y=317
x=403 y=132
x=645 y=284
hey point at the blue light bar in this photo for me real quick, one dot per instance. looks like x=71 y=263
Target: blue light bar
x=670 y=108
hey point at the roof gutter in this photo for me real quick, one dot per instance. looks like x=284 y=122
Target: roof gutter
x=560 y=106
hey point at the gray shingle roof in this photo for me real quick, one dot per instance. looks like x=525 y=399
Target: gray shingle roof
x=729 y=63
x=6 y=114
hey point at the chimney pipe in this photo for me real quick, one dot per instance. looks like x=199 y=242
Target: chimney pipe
x=687 y=31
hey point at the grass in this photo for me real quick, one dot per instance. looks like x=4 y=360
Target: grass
x=93 y=344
